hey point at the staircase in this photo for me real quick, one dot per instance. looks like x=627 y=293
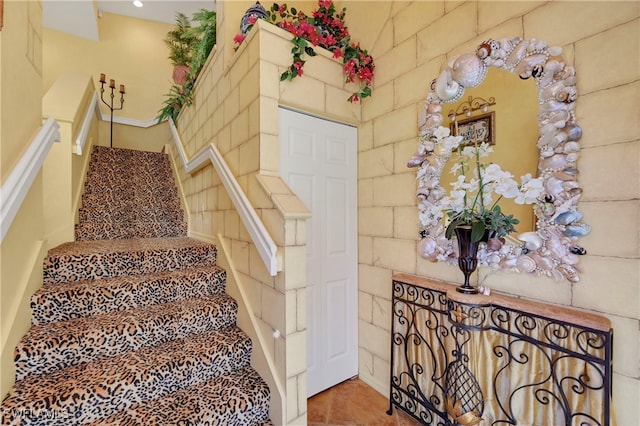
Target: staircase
x=132 y=325
x=129 y=194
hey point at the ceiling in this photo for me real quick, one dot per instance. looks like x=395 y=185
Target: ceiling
x=80 y=17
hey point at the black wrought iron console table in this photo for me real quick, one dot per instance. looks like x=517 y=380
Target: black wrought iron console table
x=463 y=359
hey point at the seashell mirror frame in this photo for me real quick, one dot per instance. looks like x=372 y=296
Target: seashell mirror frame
x=552 y=250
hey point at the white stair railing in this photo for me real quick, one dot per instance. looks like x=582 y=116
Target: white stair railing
x=15 y=188
x=259 y=234
x=86 y=124
x=94 y=105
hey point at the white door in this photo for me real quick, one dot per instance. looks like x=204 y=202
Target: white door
x=318 y=160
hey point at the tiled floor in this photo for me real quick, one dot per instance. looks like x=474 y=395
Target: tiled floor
x=353 y=403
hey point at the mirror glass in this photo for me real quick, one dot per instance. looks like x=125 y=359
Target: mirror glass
x=551 y=146
x=515 y=131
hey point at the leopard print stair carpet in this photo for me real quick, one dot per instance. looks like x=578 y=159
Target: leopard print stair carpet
x=50 y=347
x=82 y=260
x=212 y=403
x=134 y=331
x=62 y=302
x=129 y=194
x=106 y=347
x=109 y=385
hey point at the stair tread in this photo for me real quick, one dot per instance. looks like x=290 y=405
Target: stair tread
x=95 y=259
x=143 y=189
x=50 y=347
x=92 y=231
x=126 y=203
x=135 y=211
x=116 y=217
x=119 y=246
x=65 y=301
x=119 y=224
x=208 y=402
x=100 y=388
x=90 y=199
x=151 y=224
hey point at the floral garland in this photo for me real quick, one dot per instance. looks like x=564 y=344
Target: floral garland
x=325 y=28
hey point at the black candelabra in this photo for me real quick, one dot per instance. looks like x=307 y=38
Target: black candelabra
x=112 y=86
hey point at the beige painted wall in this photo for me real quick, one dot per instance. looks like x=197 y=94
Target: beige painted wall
x=132 y=52
x=409 y=42
x=22 y=248
x=64 y=170
x=21 y=71
x=132 y=137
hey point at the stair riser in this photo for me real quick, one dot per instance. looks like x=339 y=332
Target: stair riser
x=128 y=197
x=125 y=199
x=71 y=268
x=125 y=172
x=129 y=169
x=105 y=153
x=64 y=302
x=102 y=390
x=96 y=205
x=148 y=190
x=136 y=161
x=51 y=347
x=125 y=231
x=130 y=215
x=116 y=170
x=120 y=170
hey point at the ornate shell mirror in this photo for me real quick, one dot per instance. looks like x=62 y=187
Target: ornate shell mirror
x=552 y=248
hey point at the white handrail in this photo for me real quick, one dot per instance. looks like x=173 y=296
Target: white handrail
x=261 y=238
x=94 y=105
x=86 y=124
x=124 y=120
x=15 y=188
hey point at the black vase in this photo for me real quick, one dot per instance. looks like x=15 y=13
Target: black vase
x=467 y=258
x=256 y=10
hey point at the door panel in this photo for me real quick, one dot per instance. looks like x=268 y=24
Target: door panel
x=337 y=295
x=318 y=160
x=337 y=215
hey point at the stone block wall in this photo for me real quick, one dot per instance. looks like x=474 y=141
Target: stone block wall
x=410 y=41
x=236 y=109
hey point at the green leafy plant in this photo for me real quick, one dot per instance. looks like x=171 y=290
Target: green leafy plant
x=181 y=41
x=200 y=41
x=177 y=98
x=205 y=34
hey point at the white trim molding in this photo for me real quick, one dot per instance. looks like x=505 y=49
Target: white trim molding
x=261 y=238
x=86 y=124
x=123 y=120
x=94 y=105
x=15 y=188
